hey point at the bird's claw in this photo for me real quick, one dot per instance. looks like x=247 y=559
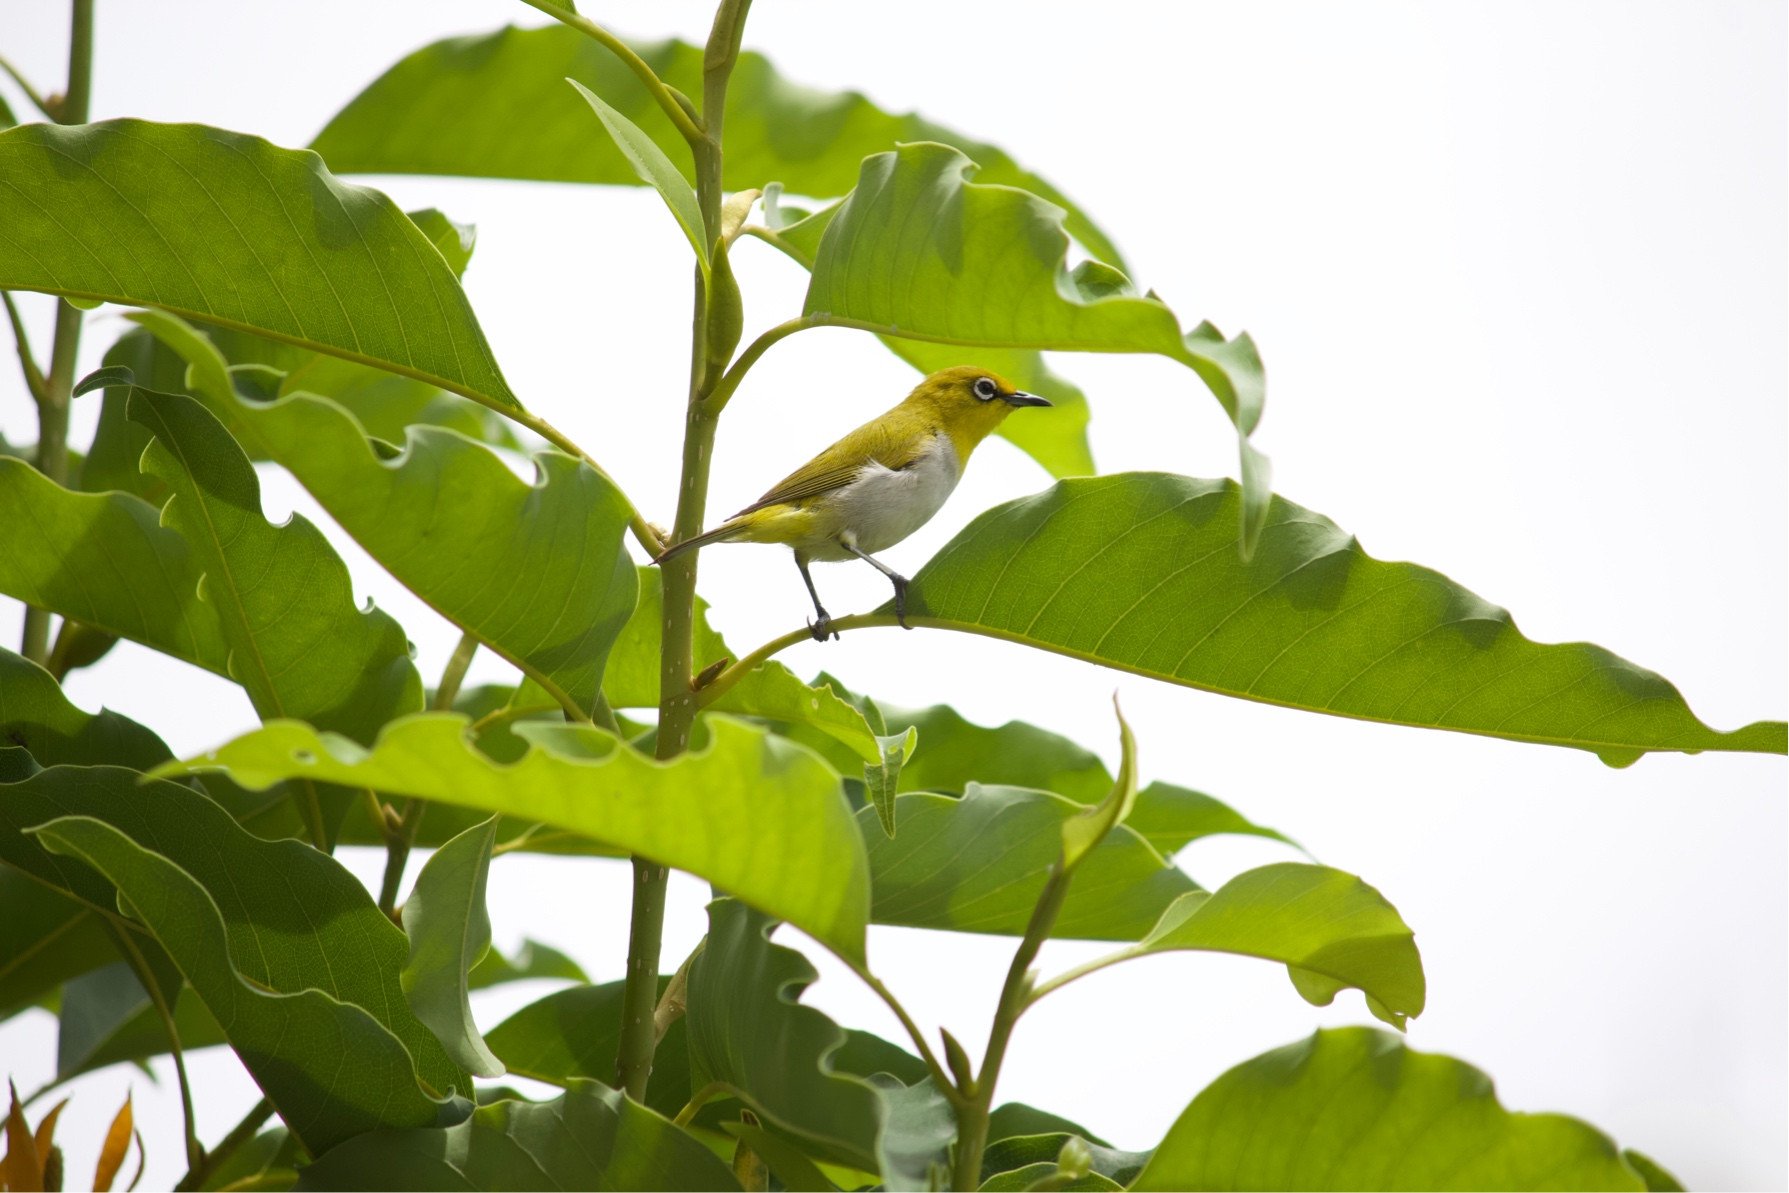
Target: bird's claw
x=821 y=629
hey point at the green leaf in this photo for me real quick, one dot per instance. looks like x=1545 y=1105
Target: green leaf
x=36 y=715
x=590 y=1138
x=919 y=251
x=492 y=106
x=46 y=939
x=56 y=545
x=268 y=1161
x=232 y=230
x=1016 y=1119
x=1353 y=1108
x=454 y=241
x=652 y=167
x=450 y=932
x=450 y=521
x=747 y=1032
x=532 y=961
x=805 y=859
x=107 y=1018
x=298 y=643
x=770 y=690
x=798 y=1173
x=880 y=781
x=308 y=990
x=1022 y=1151
x=1657 y=1179
x=978 y=864
x=1330 y=929
x=575 y=1034
x=1046 y=1175
x=1138 y=571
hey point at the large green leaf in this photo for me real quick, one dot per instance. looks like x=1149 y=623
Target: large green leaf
x=284 y=947
x=232 y=230
x=1330 y=929
x=1058 y=442
x=36 y=715
x=537 y=571
x=748 y=1033
x=755 y=815
x=978 y=863
x=106 y=560
x=1139 y=571
x=496 y=106
x=107 y=1017
x=450 y=932
x=298 y=643
x=575 y=1034
x=919 y=251
x=591 y=1138
x=1354 y=1108
x=769 y=690
x=46 y=938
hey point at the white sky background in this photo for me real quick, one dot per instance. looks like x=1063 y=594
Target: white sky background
x=1517 y=272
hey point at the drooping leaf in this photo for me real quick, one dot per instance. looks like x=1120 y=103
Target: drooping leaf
x=298 y=643
x=1139 y=571
x=532 y=961
x=919 y=251
x=496 y=106
x=747 y=1031
x=590 y=1138
x=978 y=863
x=307 y=988
x=104 y=559
x=536 y=572
x=652 y=167
x=450 y=932
x=232 y=230
x=1353 y=1108
x=1330 y=929
x=805 y=863
x=769 y=690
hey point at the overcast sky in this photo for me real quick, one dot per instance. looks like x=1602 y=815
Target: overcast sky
x=1517 y=272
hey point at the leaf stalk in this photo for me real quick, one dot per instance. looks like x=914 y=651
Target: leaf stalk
x=133 y=956
x=240 y=1134
x=400 y=839
x=662 y=95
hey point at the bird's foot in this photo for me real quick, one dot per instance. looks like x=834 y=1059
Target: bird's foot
x=821 y=629
x=900 y=601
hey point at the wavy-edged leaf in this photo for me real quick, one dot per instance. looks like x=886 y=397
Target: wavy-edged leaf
x=232 y=230
x=698 y=812
x=590 y=1138
x=1331 y=930
x=1058 y=442
x=307 y=986
x=652 y=167
x=978 y=864
x=495 y=106
x=1353 y=1108
x=106 y=560
x=748 y=1032
x=1139 y=571
x=770 y=690
x=450 y=932
x=298 y=643
x=919 y=251
x=36 y=715
x=536 y=571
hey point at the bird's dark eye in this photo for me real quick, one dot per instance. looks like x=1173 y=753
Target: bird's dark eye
x=985 y=388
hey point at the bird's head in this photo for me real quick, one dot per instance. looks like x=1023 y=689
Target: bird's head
x=969 y=402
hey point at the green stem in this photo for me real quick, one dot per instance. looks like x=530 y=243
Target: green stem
x=644 y=532
x=195 y=1154
x=34 y=378
x=717 y=687
x=655 y=86
x=38 y=100
x=972 y=1120
x=723 y=389
x=699 y=1099
x=52 y=409
x=939 y=1076
x=399 y=841
x=240 y=1134
x=677 y=702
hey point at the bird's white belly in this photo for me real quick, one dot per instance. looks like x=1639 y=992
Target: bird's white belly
x=884 y=505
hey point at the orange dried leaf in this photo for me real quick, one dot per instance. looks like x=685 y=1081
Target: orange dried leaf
x=111 y=1153
x=20 y=1170
x=46 y=1132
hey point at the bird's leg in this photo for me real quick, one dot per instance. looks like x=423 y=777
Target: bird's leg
x=822 y=623
x=899 y=581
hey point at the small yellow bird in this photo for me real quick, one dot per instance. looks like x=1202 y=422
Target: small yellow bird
x=878 y=484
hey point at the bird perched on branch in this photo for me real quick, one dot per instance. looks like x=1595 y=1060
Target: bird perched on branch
x=878 y=484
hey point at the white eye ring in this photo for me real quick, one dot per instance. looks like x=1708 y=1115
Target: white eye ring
x=985 y=388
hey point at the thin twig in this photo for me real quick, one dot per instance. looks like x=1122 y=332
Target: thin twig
x=655 y=86
x=34 y=378
x=38 y=100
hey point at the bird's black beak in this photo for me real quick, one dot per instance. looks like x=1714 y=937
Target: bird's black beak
x=1019 y=397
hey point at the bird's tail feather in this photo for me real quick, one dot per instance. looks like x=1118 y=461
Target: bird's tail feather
x=719 y=534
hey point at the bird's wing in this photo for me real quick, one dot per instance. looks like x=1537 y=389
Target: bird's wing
x=838 y=465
